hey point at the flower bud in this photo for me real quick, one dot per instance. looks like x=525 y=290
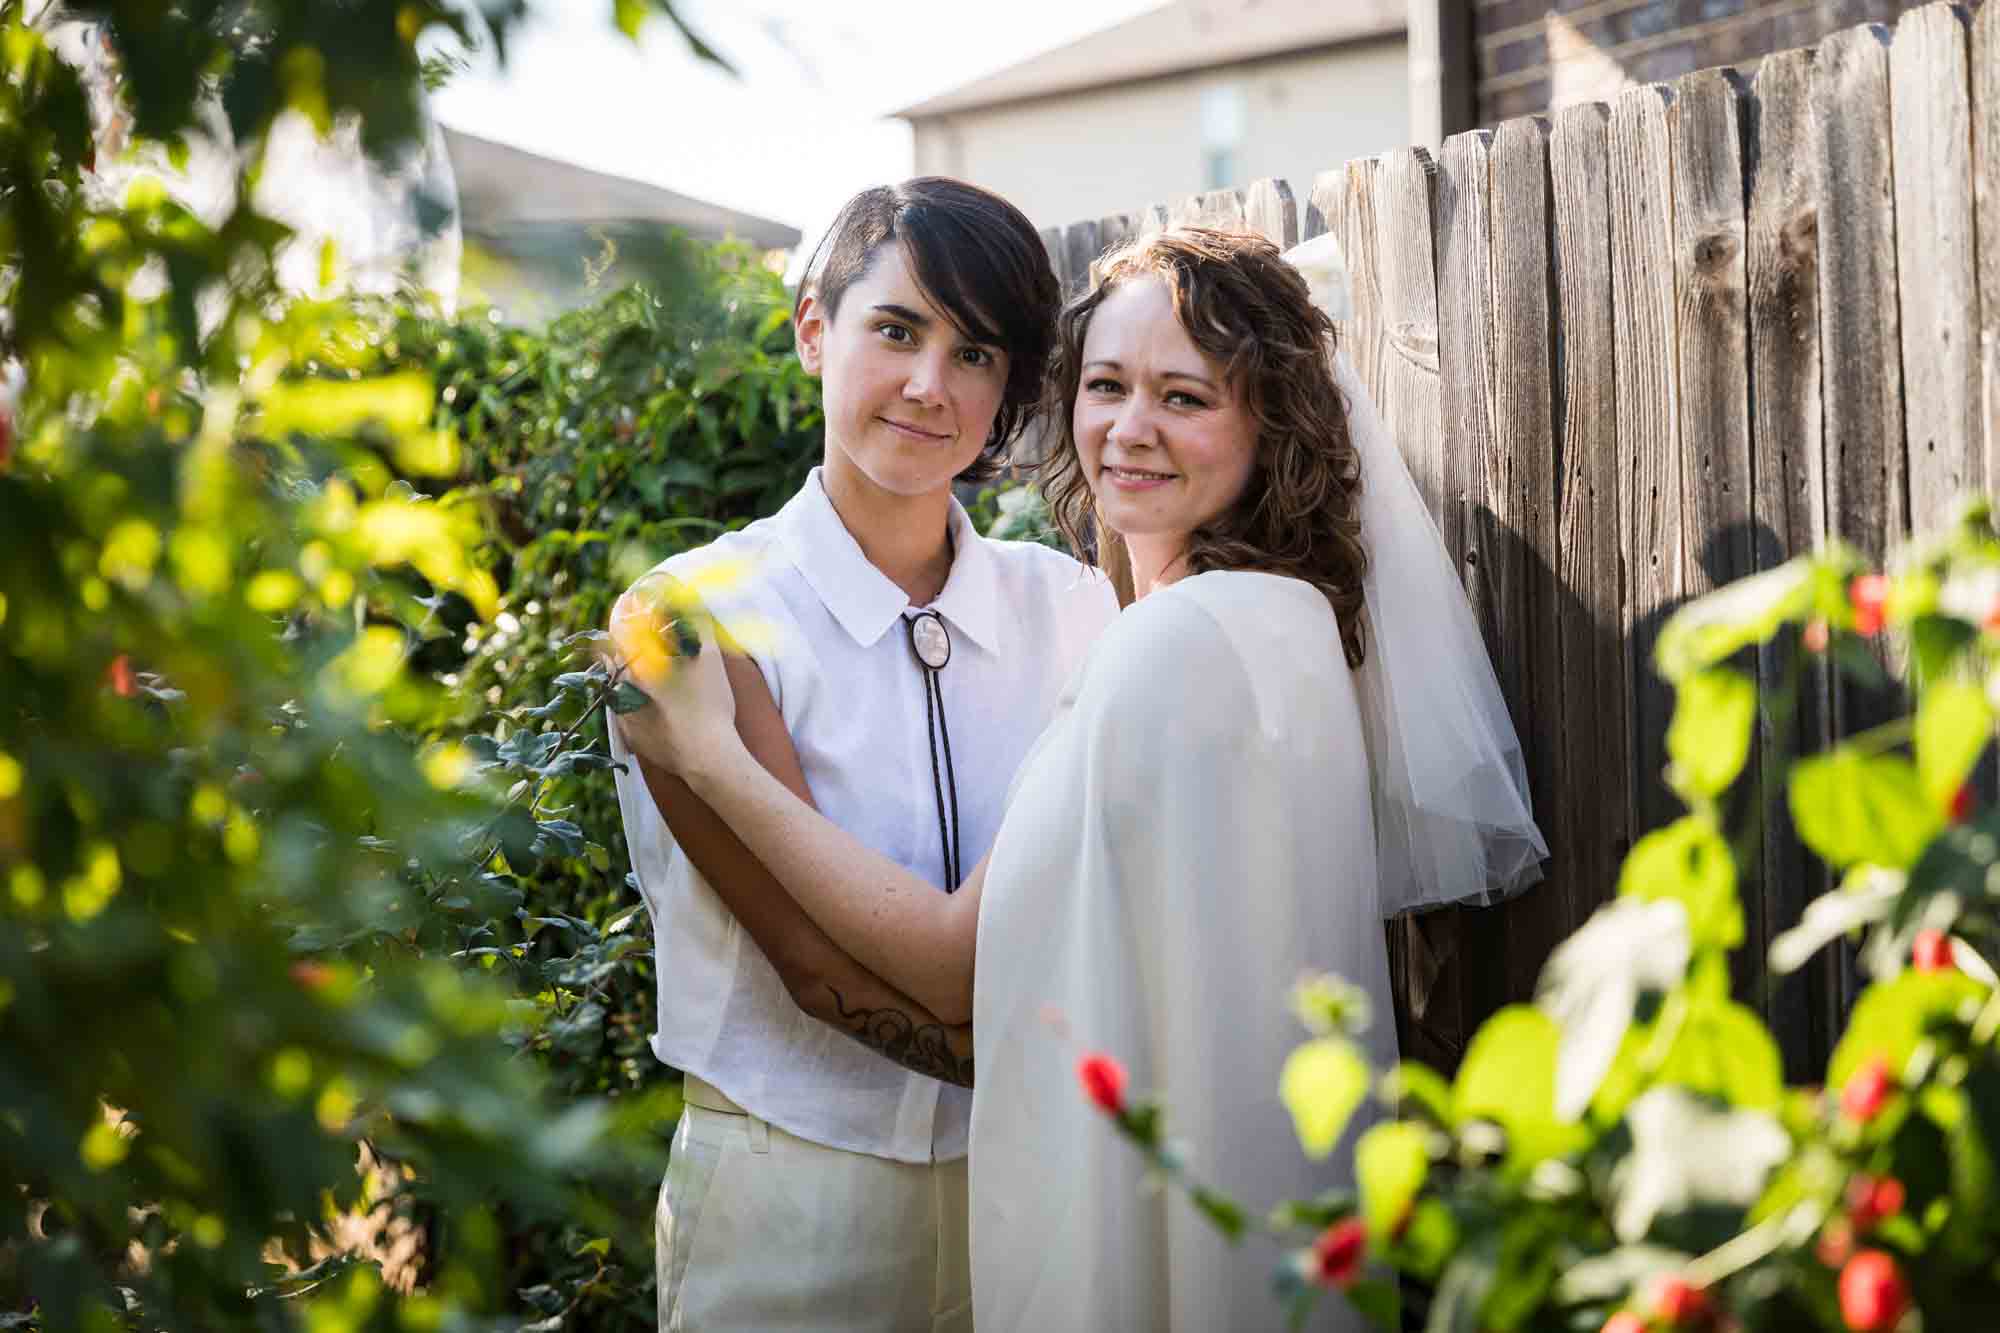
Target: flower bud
x=1338 y=1252
x=1103 y=1080
x=1871 y=1199
x=1932 y=952
x=1873 y=1295
x=1867 y=1090
x=1676 y=1302
x=1869 y=596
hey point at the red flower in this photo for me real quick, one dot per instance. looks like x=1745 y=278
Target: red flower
x=1870 y=1199
x=1867 y=1089
x=1624 y=1322
x=119 y=677
x=1816 y=636
x=1873 y=1295
x=311 y=975
x=1961 y=804
x=1869 y=595
x=1932 y=951
x=1103 y=1081
x=1676 y=1302
x=1337 y=1254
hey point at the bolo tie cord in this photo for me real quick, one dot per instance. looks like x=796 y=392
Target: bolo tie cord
x=943 y=776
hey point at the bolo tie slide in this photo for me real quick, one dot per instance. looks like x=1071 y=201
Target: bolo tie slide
x=931 y=646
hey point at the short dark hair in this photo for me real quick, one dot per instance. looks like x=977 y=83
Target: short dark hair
x=978 y=259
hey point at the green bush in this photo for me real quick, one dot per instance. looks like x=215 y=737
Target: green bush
x=1623 y=1154
x=249 y=850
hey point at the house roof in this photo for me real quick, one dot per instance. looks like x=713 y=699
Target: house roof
x=499 y=185
x=1180 y=36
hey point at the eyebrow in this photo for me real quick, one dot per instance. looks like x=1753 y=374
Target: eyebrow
x=923 y=322
x=904 y=313
x=1205 y=383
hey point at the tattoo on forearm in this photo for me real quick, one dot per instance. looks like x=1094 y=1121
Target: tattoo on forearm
x=925 y=1047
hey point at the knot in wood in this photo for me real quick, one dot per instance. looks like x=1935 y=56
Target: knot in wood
x=1716 y=251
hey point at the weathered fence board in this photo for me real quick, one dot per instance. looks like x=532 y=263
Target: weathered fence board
x=1713 y=356
x=1053 y=242
x=1931 y=119
x=1082 y=244
x=1515 y=535
x=1712 y=346
x=1648 y=408
x=1468 y=461
x=1789 y=475
x=1465 y=368
x=1860 y=335
x=1365 y=334
x=1411 y=400
x=1113 y=230
x=1596 y=738
x=1271 y=212
x=1215 y=208
x=1326 y=205
x=1986 y=223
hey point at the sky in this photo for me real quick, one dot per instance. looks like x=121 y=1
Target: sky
x=800 y=127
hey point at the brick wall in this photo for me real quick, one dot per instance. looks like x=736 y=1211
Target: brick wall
x=1533 y=55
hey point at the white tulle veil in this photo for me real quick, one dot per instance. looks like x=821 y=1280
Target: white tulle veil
x=1453 y=821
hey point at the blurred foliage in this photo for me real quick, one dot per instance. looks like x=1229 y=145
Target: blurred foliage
x=272 y=895
x=1623 y=1155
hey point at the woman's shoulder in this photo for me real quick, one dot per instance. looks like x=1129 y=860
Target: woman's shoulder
x=1166 y=642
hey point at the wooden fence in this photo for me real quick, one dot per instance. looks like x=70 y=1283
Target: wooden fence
x=1633 y=351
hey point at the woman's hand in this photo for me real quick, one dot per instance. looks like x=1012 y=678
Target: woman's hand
x=665 y=645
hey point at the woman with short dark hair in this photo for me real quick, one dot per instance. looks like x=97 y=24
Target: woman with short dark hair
x=818 y=1177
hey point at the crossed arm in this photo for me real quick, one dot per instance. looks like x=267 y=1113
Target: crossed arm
x=824 y=980
x=703 y=724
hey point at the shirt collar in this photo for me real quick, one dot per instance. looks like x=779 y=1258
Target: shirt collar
x=865 y=601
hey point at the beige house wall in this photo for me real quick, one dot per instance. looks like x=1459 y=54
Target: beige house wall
x=1080 y=155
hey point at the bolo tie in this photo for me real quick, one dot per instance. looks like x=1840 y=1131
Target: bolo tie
x=931 y=646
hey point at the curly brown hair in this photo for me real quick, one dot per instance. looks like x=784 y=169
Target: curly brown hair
x=1252 y=313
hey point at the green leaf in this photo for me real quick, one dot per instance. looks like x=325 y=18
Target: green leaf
x=1724 y=1049
x=631 y=15
x=1689 y=863
x=401 y=403
x=1712 y=628
x=1891 y=1017
x=1935 y=645
x=1954 y=722
x=1323 y=1082
x=1226 y=1214
x=628 y=698
x=1414 y=1085
x=1508 y=1076
x=1379 y=1302
x=1851 y=807
x=1391 y=1163
x=1708 y=742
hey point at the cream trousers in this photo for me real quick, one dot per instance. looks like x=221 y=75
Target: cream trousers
x=758 y=1230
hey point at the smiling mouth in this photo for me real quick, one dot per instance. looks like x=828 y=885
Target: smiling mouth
x=1135 y=474
x=908 y=429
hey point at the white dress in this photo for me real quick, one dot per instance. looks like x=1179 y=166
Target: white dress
x=1191 y=833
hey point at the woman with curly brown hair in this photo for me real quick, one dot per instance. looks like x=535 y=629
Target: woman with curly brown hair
x=1234 y=789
